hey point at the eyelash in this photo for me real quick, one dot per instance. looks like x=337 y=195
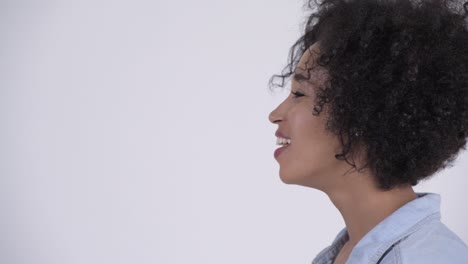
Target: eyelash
x=297 y=94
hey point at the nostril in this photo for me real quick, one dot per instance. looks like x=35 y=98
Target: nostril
x=274 y=117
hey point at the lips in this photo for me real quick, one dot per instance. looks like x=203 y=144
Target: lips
x=279 y=150
x=280 y=134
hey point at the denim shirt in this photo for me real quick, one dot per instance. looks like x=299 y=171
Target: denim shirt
x=413 y=234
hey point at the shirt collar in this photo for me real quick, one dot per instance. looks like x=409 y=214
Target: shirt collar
x=400 y=224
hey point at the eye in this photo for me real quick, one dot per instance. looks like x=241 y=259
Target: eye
x=297 y=94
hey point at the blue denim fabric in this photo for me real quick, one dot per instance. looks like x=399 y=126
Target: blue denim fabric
x=413 y=234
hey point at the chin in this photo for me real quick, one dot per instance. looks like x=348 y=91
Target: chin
x=290 y=179
x=286 y=180
x=300 y=180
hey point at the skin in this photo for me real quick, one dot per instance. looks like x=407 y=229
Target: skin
x=310 y=160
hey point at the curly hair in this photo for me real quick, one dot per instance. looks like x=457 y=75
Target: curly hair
x=398 y=82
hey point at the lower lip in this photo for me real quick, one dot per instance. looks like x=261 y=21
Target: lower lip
x=279 y=150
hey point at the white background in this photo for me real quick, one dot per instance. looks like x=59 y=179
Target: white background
x=138 y=132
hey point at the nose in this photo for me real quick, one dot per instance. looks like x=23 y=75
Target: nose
x=275 y=116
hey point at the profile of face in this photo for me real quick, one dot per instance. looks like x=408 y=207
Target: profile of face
x=309 y=159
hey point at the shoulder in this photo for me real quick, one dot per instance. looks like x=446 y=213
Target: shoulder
x=433 y=243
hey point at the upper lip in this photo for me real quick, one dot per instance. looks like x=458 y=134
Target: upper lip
x=279 y=134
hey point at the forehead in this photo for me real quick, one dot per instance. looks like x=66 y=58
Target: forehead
x=307 y=67
x=310 y=56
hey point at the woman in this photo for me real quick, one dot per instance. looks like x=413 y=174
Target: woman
x=379 y=101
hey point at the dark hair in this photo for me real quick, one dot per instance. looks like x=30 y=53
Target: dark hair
x=398 y=76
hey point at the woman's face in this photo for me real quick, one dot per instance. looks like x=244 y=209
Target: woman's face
x=309 y=159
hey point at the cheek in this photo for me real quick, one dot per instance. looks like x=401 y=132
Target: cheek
x=308 y=129
x=314 y=148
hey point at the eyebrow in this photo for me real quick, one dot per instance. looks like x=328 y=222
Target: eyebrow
x=310 y=82
x=299 y=77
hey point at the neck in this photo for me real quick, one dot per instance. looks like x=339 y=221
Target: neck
x=363 y=206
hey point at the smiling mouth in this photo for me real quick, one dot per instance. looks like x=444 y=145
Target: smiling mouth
x=283 y=141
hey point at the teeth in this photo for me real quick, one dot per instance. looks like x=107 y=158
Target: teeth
x=282 y=141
